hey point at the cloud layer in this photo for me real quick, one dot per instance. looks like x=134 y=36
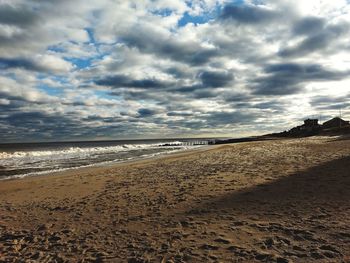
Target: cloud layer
x=144 y=69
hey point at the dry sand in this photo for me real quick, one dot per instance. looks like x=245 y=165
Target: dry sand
x=272 y=201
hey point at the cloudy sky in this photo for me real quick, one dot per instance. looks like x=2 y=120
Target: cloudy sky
x=115 y=69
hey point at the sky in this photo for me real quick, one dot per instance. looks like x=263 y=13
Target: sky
x=124 y=69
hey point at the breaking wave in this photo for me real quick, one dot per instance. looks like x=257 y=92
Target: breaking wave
x=38 y=161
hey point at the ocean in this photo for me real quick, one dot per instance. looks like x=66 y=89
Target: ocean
x=24 y=159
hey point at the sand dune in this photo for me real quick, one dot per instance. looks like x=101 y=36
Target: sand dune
x=272 y=201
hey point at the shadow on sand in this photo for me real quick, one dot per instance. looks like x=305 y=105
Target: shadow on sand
x=324 y=185
x=304 y=217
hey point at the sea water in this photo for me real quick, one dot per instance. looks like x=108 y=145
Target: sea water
x=20 y=160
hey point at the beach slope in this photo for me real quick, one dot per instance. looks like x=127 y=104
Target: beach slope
x=271 y=201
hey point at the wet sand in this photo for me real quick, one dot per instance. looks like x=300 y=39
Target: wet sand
x=271 y=201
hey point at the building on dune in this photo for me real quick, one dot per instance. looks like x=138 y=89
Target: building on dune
x=335 y=126
x=335 y=123
x=309 y=127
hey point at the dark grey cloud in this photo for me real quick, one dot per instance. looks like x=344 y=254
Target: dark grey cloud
x=30 y=119
x=330 y=102
x=178 y=72
x=120 y=81
x=306 y=71
x=206 y=82
x=337 y=107
x=215 y=79
x=287 y=78
x=329 y=99
x=270 y=105
x=204 y=94
x=149 y=42
x=188 y=89
x=17 y=15
x=236 y=97
x=7 y=63
x=276 y=86
x=248 y=14
x=316 y=39
x=253 y=103
x=217 y=118
x=39 y=125
x=144 y=112
x=207 y=120
x=31 y=64
x=179 y=114
x=310 y=44
x=179 y=125
x=197 y=91
x=109 y=120
x=10 y=108
x=309 y=25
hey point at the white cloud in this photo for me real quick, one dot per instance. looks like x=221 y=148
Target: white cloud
x=53 y=63
x=4 y=102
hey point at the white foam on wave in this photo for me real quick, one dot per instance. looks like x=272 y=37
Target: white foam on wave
x=144 y=156
x=82 y=151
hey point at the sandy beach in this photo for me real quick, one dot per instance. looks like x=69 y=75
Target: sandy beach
x=271 y=201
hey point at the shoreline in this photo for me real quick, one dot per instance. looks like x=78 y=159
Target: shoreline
x=104 y=164
x=267 y=201
x=220 y=142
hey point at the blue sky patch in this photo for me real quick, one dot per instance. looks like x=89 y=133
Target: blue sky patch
x=79 y=62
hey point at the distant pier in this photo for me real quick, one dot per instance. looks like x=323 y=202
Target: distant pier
x=190 y=143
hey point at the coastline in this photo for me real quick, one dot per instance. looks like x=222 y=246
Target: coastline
x=98 y=166
x=268 y=201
